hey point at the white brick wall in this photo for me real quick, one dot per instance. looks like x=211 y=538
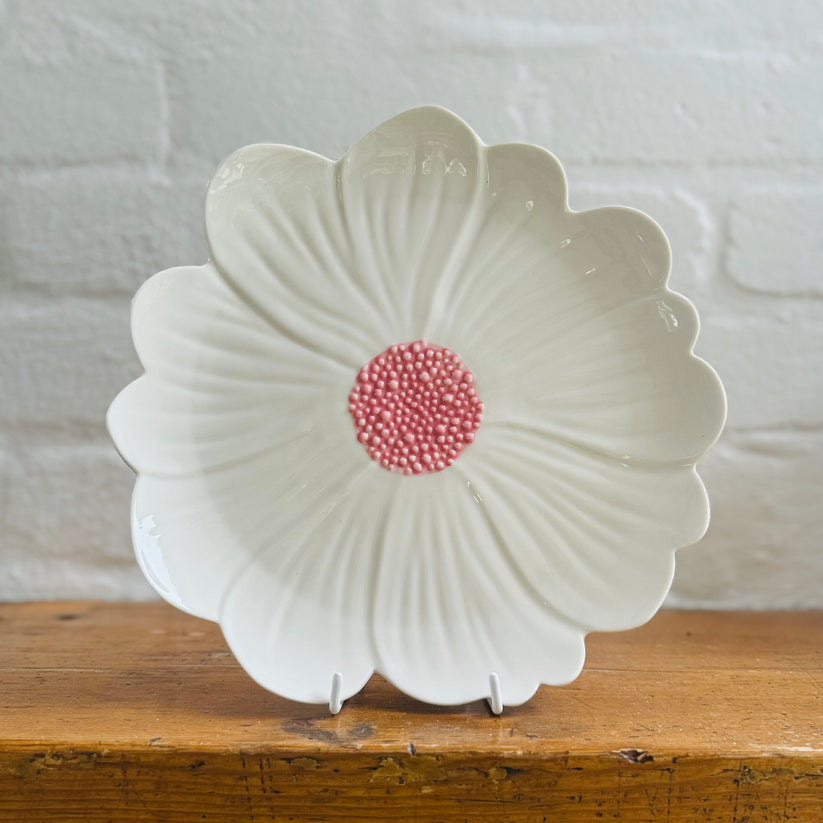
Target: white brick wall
x=708 y=114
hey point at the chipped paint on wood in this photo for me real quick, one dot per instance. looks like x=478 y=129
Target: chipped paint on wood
x=420 y=768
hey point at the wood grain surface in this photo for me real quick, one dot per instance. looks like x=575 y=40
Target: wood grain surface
x=138 y=712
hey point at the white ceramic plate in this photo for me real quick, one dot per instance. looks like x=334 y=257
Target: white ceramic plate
x=415 y=417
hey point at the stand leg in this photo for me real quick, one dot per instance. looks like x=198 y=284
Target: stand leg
x=496 y=699
x=335 y=701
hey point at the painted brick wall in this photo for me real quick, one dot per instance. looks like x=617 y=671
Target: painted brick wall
x=708 y=114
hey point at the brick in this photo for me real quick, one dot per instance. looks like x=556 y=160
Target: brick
x=775 y=243
x=46 y=33
x=762 y=549
x=289 y=90
x=93 y=231
x=187 y=29
x=606 y=104
x=65 y=516
x=35 y=577
x=769 y=364
x=64 y=505
x=667 y=107
x=686 y=220
x=62 y=361
x=75 y=96
x=6 y=464
x=526 y=24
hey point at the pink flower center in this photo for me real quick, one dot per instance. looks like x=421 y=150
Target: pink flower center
x=415 y=408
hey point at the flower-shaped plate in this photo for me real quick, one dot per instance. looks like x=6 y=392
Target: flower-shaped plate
x=415 y=416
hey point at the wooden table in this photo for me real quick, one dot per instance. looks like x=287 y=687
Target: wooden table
x=127 y=712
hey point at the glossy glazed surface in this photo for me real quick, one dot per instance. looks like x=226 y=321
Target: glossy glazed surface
x=257 y=507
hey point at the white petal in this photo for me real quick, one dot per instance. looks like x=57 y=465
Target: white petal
x=220 y=383
x=412 y=191
x=534 y=257
x=451 y=608
x=194 y=532
x=565 y=317
x=278 y=236
x=624 y=383
x=594 y=538
x=302 y=610
x=519 y=225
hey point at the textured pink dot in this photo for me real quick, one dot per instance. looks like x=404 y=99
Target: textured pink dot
x=415 y=408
